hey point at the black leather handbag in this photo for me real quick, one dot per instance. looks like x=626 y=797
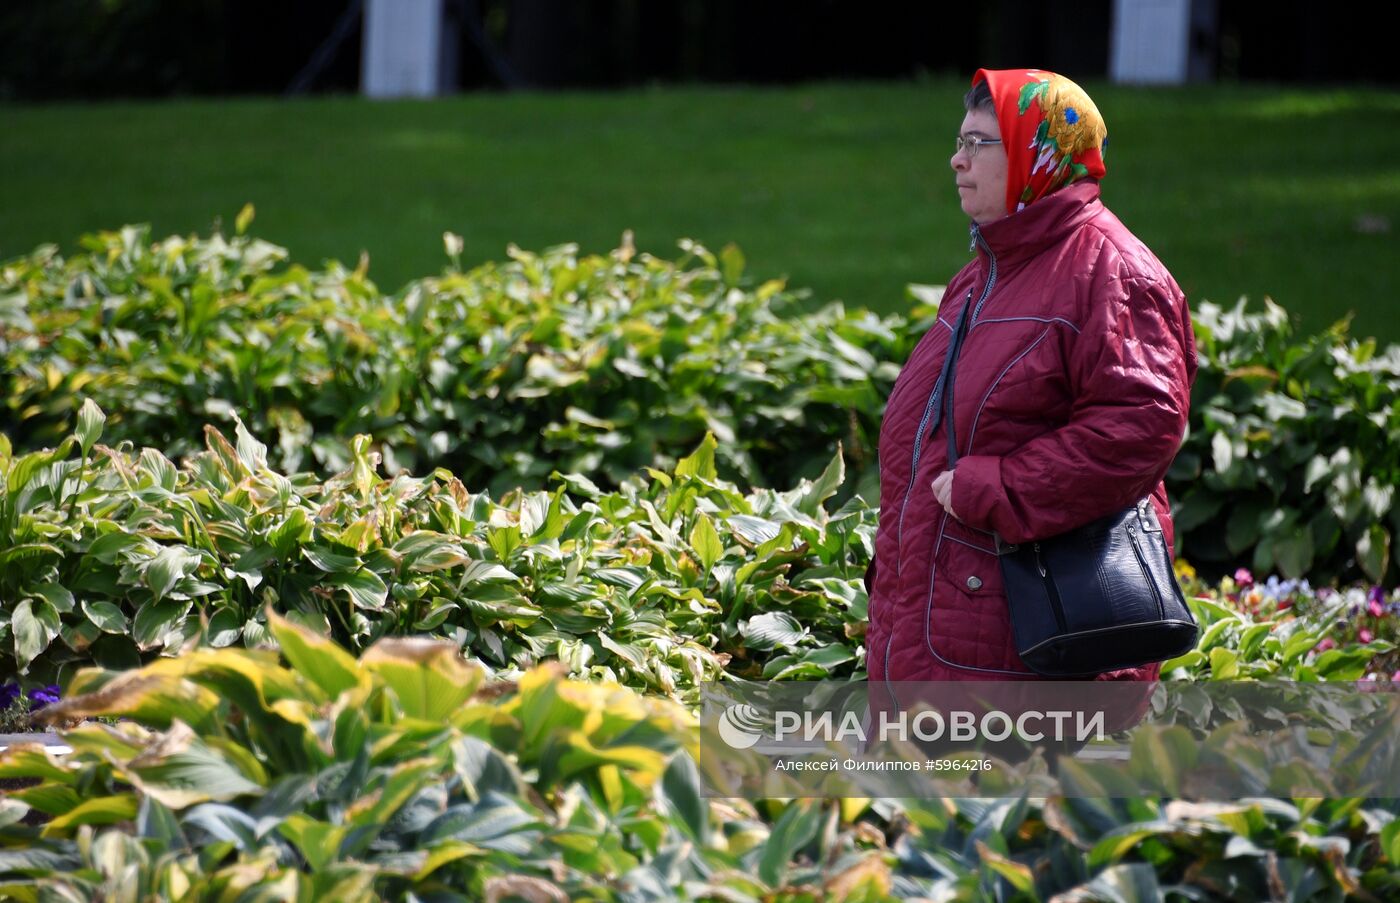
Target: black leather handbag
x=1098 y=598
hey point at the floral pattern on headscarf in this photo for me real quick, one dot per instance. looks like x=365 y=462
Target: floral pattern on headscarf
x=1052 y=132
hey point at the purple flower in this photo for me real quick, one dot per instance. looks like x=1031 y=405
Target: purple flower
x=1376 y=595
x=42 y=697
x=1243 y=577
x=9 y=692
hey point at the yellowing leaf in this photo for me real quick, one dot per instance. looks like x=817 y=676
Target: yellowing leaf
x=705 y=541
x=429 y=677
x=104 y=810
x=316 y=658
x=244 y=219
x=701 y=462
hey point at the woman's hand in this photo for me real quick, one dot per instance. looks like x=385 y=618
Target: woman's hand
x=943 y=491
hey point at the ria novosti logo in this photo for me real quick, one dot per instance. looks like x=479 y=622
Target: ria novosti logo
x=741 y=725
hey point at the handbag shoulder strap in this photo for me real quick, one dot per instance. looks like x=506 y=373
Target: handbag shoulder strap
x=944 y=388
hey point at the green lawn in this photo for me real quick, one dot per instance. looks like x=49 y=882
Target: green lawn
x=843 y=187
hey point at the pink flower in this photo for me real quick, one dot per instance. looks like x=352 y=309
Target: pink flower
x=1395 y=678
x=1365 y=635
x=1244 y=578
x=1327 y=643
x=1375 y=607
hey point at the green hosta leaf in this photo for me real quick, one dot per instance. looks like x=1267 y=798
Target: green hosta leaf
x=495 y=823
x=295 y=529
x=815 y=664
x=578 y=484
x=756 y=530
x=90 y=421
x=366 y=588
x=11 y=811
x=34 y=625
x=439 y=556
x=57 y=596
x=318 y=841
x=1294 y=553
x=160 y=469
x=483 y=769
x=251 y=563
x=171 y=565
x=680 y=788
x=705 y=541
x=331 y=562
x=225 y=627
x=223 y=824
x=773 y=629
x=28 y=550
x=1343 y=664
x=195 y=774
x=154 y=620
x=251 y=452
x=108 y=547
x=478 y=572
x=825 y=487
x=38 y=862
x=794 y=829
x=107 y=617
x=1390 y=842
x=1224 y=663
x=1373 y=551
x=1128 y=883
x=1222 y=449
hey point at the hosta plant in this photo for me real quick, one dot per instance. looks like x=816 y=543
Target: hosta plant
x=599 y=364
x=306 y=774
x=1293 y=454
x=1275 y=631
x=112 y=556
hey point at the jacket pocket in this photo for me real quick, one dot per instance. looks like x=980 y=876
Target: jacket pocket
x=966 y=558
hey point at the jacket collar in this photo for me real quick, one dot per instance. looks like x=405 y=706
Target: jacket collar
x=1031 y=230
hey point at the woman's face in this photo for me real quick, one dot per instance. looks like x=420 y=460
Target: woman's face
x=981 y=179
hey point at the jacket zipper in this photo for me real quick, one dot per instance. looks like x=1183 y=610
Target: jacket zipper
x=928 y=412
x=1142 y=562
x=934 y=397
x=1052 y=590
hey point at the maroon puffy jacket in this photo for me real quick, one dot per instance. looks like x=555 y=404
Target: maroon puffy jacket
x=1071 y=400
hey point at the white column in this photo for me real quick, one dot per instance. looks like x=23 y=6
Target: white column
x=402 y=51
x=1151 y=41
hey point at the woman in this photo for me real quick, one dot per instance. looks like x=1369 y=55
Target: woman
x=1071 y=395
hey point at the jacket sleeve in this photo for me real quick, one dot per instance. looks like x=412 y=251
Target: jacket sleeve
x=1130 y=367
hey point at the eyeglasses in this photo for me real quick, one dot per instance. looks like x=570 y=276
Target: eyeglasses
x=972 y=143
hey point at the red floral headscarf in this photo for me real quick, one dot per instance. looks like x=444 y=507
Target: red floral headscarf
x=1052 y=132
